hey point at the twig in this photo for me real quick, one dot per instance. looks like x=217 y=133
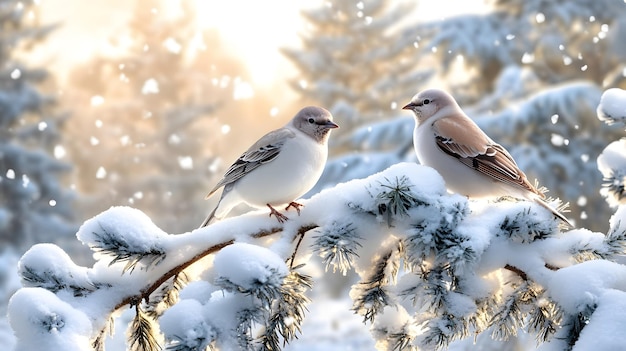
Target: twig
x=517 y=271
x=301 y=232
x=523 y=274
x=551 y=267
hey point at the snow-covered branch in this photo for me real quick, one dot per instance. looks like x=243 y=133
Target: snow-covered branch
x=434 y=267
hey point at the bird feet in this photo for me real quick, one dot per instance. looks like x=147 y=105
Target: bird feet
x=294 y=205
x=279 y=216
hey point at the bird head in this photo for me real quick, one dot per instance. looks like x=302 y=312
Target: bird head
x=428 y=102
x=315 y=122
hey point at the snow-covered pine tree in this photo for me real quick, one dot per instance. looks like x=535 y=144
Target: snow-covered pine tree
x=356 y=62
x=154 y=106
x=434 y=268
x=35 y=205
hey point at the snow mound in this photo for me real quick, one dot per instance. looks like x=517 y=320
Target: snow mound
x=612 y=108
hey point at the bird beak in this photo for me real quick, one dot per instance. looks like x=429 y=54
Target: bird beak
x=409 y=106
x=331 y=125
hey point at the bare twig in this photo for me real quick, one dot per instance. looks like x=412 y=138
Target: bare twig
x=301 y=232
x=523 y=274
x=517 y=271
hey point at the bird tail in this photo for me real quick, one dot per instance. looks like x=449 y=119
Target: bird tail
x=556 y=213
x=209 y=217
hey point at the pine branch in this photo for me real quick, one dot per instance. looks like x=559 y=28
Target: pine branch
x=373 y=295
x=98 y=342
x=616 y=241
x=615 y=184
x=527 y=306
x=142 y=333
x=337 y=245
x=265 y=291
x=525 y=227
x=113 y=245
x=396 y=198
x=247 y=319
x=485 y=307
x=437 y=240
x=509 y=318
x=442 y=331
x=574 y=324
x=52 y=282
x=544 y=320
x=438 y=282
x=401 y=341
x=288 y=312
x=46 y=280
x=165 y=296
x=431 y=289
x=614 y=245
x=517 y=271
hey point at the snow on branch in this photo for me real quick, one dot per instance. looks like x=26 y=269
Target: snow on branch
x=612 y=161
x=612 y=107
x=433 y=268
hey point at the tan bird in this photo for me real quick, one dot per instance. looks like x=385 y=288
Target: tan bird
x=471 y=164
x=279 y=168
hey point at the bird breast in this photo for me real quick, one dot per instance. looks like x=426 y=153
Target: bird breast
x=290 y=175
x=459 y=178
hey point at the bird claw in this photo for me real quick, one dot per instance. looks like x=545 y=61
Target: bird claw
x=294 y=205
x=279 y=216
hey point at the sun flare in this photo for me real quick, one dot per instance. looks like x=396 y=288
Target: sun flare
x=255 y=30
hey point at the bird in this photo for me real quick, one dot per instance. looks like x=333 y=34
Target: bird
x=469 y=161
x=279 y=168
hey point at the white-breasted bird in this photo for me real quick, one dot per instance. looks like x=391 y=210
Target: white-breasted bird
x=279 y=168
x=471 y=164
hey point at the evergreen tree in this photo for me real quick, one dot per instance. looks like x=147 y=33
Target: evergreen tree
x=352 y=62
x=34 y=203
x=154 y=107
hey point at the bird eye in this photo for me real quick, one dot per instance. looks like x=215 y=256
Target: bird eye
x=311 y=120
x=426 y=101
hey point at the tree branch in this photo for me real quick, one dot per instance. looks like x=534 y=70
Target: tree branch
x=148 y=290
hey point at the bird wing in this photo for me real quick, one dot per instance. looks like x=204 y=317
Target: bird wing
x=263 y=151
x=463 y=139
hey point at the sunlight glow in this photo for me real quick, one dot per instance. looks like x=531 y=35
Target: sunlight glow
x=254 y=30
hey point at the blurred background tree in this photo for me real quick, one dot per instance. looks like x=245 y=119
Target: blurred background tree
x=152 y=107
x=353 y=60
x=35 y=202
